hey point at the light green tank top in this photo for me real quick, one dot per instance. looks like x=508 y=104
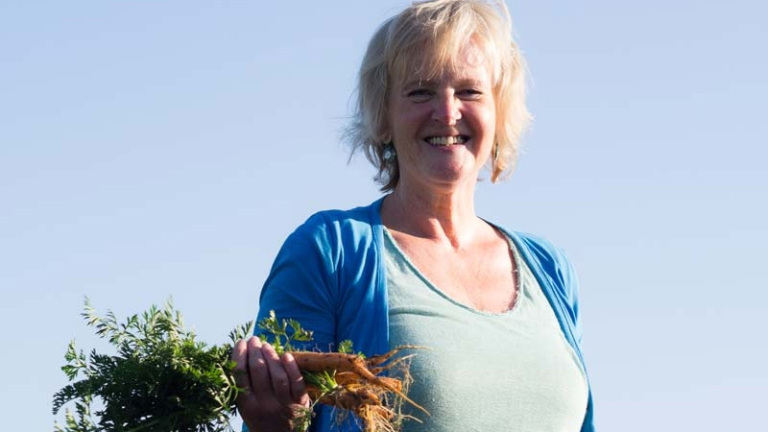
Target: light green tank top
x=483 y=371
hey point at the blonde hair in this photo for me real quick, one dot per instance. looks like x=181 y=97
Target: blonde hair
x=422 y=41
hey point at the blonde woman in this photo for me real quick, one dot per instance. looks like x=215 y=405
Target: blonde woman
x=441 y=98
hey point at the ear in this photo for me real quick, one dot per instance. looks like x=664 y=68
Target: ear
x=497 y=165
x=386 y=137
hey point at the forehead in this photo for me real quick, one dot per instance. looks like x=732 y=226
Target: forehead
x=469 y=64
x=428 y=63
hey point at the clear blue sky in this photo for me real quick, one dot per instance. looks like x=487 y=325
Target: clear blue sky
x=153 y=149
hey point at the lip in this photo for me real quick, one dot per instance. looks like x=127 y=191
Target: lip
x=446 y=140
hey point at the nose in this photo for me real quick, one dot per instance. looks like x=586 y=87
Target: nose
x=447 y=109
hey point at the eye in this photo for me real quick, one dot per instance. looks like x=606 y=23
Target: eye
x=470 y=93
x=419 y=94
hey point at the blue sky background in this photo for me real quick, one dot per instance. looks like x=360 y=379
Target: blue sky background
x=155 y=149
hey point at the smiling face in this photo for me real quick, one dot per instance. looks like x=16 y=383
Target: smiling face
x=443 y=128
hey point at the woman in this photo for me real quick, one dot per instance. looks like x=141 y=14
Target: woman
x=441 y=97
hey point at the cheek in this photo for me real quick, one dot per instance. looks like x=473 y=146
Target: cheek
x=485 y=121
x=490 y=119
x=406 y=121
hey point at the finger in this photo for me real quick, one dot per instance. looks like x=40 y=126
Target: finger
x=240 y=357
x=281 y=385
x=258 y=372
x=298 y=388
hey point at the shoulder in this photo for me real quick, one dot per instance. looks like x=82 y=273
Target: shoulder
x=358 y=218
x=536 y=247
x=549 y=262
x=336 y=233
x=543 y=249
x=340 y=225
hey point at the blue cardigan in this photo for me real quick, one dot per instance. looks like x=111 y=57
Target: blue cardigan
x=330 y=276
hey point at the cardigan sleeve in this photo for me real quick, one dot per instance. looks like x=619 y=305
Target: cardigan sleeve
x=301 y=284
x=326 y=276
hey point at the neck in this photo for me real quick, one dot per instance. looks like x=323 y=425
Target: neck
x=447 y=217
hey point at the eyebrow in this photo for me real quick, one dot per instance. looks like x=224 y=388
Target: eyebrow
x=417 y=83
x=467 y=82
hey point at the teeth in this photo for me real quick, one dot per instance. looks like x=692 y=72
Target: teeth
x=446 y=140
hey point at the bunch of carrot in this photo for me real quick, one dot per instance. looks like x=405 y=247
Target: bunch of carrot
x=354 y=383
x=348 y=381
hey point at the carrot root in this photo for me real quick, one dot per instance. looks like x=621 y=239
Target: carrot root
x=357 y=386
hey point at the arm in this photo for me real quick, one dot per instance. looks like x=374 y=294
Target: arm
x=297 y=287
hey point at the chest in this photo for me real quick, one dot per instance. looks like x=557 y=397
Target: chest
x=483 y=277
x=484 y=371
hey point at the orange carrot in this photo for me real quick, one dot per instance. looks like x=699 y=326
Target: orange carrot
x=351 y=400
x=341 y=362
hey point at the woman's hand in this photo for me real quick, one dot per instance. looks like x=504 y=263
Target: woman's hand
x=275 y=393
